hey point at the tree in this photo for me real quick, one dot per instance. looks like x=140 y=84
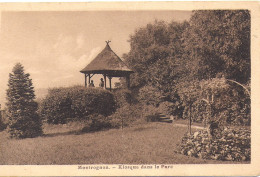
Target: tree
x=217 y=45
x=21 y=108
x=148 y=46
x=174 y=58
x=156 y=52
x=217 y=42
x=156 y=57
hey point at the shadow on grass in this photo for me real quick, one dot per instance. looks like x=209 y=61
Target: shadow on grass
x=74 y=132
x=139 y=129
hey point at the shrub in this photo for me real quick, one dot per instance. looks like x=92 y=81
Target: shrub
x=123 y=97
x=150 y=113
x=97 y=122
x=234 y=145
x=150 y=95
x=78 y=102
x=166 y=108
x=216 y=99
x=88 y=101
x=126 y=115
x=55 y=108
x=199 y=111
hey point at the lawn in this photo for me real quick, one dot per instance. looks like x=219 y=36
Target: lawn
x=63 y=144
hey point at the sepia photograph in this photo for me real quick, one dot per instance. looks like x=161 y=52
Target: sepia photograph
x=142 y=89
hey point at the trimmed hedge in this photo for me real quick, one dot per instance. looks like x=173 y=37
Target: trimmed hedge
x=56 y=106
x=62 y=104
x=234 y=145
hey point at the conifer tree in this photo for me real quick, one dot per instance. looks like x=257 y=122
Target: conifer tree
x=23 y=122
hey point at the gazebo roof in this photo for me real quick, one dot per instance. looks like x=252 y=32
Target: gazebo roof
x=107 y=62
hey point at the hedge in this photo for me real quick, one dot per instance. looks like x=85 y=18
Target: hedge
x=62 y=104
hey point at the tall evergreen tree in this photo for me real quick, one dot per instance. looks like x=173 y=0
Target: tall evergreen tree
x=21 y=108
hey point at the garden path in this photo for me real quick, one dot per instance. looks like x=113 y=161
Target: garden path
x=192 y=126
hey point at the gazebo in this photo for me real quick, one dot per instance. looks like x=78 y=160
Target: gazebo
x=109 y=65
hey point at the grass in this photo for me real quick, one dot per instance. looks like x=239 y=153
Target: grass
x=152 y=143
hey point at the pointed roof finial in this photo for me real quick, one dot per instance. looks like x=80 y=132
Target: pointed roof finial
x=108 y=42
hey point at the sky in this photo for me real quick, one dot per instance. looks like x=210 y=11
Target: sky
x=54 y=46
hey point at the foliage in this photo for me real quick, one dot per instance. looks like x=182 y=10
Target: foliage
x=150 y=113
x=156 y=57
x=126 y=115
x=123 y=97
x=150 y=95
x=56 y=108
x=97 y=122
x=218 y=42
x=153 y=52
x=175 y=58
x=234 y=145
x=166 y=108
x=76 y=102
x=217 y=51
x=189 y=93
x=2 y=124
x=21 y=108
x=144 y=52
x=228 y=103
x=216 y=100
x=87 y=101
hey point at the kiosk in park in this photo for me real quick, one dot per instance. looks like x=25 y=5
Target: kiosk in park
x=109 y=65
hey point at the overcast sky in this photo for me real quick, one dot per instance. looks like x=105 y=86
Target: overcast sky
x=54 y=46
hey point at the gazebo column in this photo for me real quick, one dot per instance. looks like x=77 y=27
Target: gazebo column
x=85 y=79
x=128 y=80
x=110 y=78
x=105 y=80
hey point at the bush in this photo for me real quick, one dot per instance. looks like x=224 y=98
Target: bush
x=150 y=113
x=88 y=101
x=150 y=95
x=166 y=108
x=97 y=122
x=61 y=104
x=234 y=145
x=123 y=97
x=126 y=115
x=199 y=112
x=56 y=108
x=216 y=99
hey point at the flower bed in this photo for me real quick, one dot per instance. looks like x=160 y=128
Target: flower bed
x=234 y=145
